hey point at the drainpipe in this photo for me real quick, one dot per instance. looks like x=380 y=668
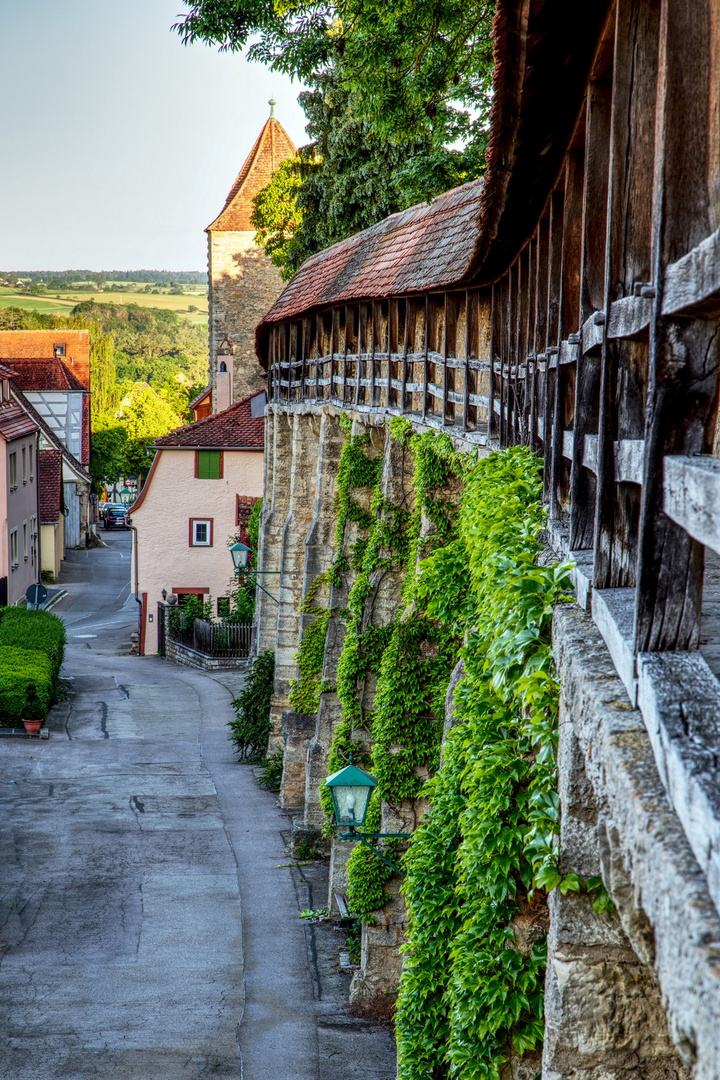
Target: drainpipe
x=133 y=529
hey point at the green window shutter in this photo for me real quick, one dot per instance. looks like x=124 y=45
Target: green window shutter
x=208 y=464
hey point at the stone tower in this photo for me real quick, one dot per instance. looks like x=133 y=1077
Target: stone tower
x=243 y=283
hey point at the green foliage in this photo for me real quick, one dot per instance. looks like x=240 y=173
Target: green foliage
x=490 y=840
x=277 y=215
x=250 y=729
x=414 y=76
x=305 y=692
x=367 y=874
x=27 y=629
x=270 y=775
x=26 y=684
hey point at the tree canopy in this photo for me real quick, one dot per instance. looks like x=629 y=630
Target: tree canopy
x=398 y=105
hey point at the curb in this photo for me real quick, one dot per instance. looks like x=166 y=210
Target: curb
x=55 y=599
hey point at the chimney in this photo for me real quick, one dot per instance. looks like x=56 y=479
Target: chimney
x=224 y=376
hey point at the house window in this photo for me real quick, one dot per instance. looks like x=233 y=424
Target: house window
x=25 y=541
x=33 y=537
x=24 y=464
x=59 y=350
x=208 y=464
x=13 y=471
x=184 y=595
x=201 y=532
x=223 y=606
x=14 y=561
x=31 y=460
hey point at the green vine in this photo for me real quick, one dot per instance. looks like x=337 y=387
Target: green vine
x=491 y=838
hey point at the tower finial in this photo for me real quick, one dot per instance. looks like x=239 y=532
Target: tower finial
x=272 y=103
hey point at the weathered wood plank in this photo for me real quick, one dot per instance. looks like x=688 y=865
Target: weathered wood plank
x=691 y=497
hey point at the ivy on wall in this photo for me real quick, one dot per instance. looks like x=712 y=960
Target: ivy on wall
x=489 y=843
x=463 y=541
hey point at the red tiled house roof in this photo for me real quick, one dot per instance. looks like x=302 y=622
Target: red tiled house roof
x=41 y=373
x=30 y=344
x=50 y=486
x=15 y=421
x=232 y=429
x=272 y=146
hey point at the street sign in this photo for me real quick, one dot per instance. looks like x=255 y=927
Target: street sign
x=36 y=594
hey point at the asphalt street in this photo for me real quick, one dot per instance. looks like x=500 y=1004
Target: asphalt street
x=148 y=926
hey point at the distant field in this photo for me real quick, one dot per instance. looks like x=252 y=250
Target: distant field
x=63 y=302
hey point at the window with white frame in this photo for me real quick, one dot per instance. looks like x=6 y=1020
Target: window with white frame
x=14 y=562
x=24 y=464
x=25 y=541
x=31 y=460
x=13 y=471
x=201 y=532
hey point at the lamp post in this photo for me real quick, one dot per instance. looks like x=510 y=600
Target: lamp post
x=350 y=789
x=241 y=556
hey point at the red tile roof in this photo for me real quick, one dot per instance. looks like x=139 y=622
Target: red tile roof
x=232 y=429
x=272 y=146
x=50 y=485
x=42 y=373
x=429 y=246
x=28 y=344
x=15 y=422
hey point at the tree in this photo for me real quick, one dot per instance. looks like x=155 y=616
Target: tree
x=398 y=107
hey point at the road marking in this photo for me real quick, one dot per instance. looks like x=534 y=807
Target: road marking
x=84 y=635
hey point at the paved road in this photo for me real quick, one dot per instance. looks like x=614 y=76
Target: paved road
x=146 y=929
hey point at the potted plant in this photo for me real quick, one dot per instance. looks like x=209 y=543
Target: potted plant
x=33 y=716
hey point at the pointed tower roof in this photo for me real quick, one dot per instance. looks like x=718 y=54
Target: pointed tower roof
x=272 y=146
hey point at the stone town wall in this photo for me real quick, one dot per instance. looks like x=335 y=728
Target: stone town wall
x=243 y=283
x=635 y=993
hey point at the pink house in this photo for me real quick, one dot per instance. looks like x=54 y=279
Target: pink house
x=198 y=494
x=19 y=516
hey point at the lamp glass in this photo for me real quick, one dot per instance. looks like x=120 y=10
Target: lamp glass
x=350 y=789
x=350 y=803
x=240 y=555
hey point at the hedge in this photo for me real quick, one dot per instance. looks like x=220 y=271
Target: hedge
x=26 y=684
x=32 y=649
x=41 y=630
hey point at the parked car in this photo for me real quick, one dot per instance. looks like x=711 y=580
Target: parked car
x=116 y=517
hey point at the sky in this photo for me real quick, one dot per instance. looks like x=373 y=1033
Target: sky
x=119 y=144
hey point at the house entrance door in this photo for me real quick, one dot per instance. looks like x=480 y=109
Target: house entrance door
x=161 y=629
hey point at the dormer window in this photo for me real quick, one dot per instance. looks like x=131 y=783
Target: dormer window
x=59 y=351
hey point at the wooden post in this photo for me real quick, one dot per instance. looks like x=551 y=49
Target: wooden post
x=592 y=299
x=409 y=307
x=425 y=363
x=552 y=342
x=684 y=353
x=348 y=317
x=623 y=364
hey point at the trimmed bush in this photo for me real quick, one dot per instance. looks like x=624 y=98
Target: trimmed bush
x=26 y=682
x=35 y=630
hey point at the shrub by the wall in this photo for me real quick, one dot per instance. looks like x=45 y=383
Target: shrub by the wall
x=36 y=630
x=250 y=729
x=26 y=677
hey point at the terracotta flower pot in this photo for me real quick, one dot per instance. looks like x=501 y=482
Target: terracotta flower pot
x=32 y=727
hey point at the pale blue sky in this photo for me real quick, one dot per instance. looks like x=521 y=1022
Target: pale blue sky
x=118 y=144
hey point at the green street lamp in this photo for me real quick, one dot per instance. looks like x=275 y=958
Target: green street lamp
x=350 y=789
x=241 y=556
